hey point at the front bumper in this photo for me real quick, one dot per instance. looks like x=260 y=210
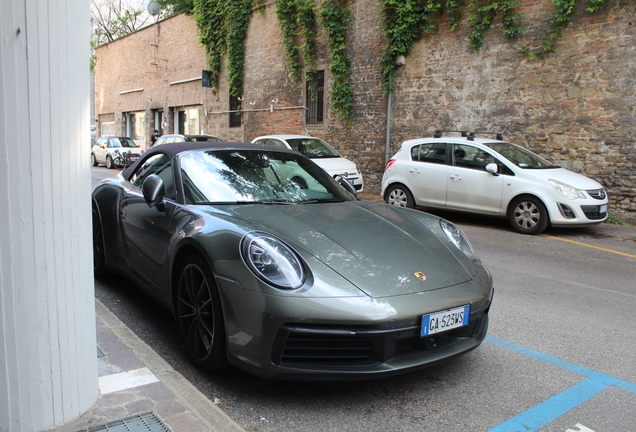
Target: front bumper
x=579 y=213
x=348 y=338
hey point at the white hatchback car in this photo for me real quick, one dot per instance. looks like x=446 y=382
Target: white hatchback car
x=491 y=177
x=321 y=153
x=111 y=151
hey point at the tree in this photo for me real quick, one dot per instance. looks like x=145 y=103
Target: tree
x=112 y=19
x=173 y=7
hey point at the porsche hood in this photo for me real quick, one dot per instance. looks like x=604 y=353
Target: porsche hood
x=380 y=249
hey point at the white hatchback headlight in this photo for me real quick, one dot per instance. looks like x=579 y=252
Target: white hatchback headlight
x=567 y=191
x=272 y=261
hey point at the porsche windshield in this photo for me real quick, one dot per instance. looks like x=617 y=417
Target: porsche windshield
x=519 y=156
x=255 y=176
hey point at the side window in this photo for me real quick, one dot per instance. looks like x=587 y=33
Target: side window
x=160 y=165
x=102 y=141
x=467 y=156
x=429 y=152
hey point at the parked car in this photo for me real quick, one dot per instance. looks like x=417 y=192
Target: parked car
x=283 y=281
x=493 y=177
x=320 y=152
x=175 y=138
x=111 y=151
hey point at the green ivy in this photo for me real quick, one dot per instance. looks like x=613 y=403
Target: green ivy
x=334 y=17
x=297 y=20
x=222 y=26
x=402 y=21
x=484 y=14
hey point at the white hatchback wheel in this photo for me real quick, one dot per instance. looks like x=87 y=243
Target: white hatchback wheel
x=400 y=196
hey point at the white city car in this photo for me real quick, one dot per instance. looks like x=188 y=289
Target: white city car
x=493 y=177
x=321 y=153
x=115 y=152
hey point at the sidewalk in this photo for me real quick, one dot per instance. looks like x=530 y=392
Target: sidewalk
x=140 y=392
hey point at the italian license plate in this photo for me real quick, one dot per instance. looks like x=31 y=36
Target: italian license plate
x=445 y=320
x=603 y=209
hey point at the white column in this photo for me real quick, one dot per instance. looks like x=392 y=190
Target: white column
x=48 y=364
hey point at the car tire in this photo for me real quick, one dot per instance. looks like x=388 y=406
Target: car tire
x=399 y=196
x=199 y=314
x=109 y=162
x=528 y=215
x=99 y=260
x=93 y=159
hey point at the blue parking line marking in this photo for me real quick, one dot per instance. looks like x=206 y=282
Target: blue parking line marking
x=546 y=412
x=541 y=414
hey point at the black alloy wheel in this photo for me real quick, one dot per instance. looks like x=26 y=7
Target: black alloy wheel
x=200 y=315
x=109 y=162
x=99 y=261
x=528 y=215
x=399 y=196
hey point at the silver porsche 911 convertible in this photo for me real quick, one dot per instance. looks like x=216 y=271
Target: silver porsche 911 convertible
x=271 y=265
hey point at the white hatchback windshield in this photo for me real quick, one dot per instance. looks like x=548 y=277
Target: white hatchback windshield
x=519 y=156
x=312 y=148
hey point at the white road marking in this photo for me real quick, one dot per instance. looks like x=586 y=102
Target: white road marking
x=126 y=380
x=579 y=428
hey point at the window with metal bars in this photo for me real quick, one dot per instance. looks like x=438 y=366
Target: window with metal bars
x=235 y=115
x=315 y=96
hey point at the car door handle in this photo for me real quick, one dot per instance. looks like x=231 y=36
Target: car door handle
x=456 y=177
x=414 y=171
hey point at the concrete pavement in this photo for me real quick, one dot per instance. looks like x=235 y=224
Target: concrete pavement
x=139 y=391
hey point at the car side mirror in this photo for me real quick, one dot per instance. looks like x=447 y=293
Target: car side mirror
x=154 y=191
x=492 y=168
x=346 y=186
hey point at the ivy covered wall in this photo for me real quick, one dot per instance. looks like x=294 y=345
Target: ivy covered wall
x=575 y=104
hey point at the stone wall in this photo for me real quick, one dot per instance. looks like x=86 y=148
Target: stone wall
x=574 y=107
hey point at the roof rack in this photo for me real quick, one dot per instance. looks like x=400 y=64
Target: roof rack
x=469 y=135
x=438 y=133
x=498 y=135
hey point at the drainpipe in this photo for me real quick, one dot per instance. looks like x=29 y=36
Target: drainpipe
x=388 y=130
x=400 y=61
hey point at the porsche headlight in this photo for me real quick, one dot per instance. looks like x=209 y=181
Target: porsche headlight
x=272 y=261
x=458 y=238
x=566 y=190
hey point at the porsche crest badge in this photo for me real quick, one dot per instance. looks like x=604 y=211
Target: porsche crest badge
x=420 y=276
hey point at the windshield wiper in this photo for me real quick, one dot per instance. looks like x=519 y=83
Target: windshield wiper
x=225 y=202
x=322 y=200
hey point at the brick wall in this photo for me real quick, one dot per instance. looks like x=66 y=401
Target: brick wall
x=574 y=107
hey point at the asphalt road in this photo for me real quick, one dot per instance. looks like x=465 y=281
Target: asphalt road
x=560 y=355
